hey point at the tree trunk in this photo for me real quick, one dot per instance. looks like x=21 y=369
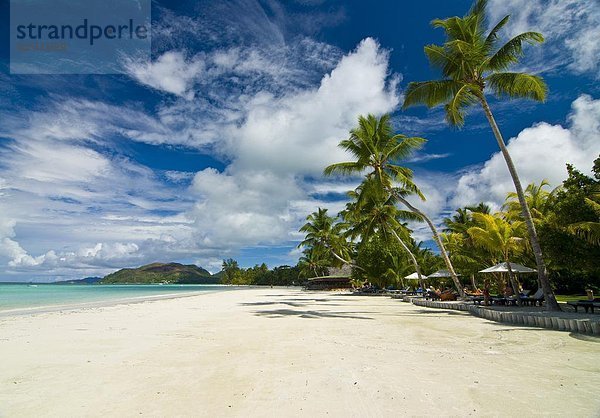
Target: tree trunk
x=473 y=282
x=551 y=302
x=439 y=243
x=513 y=283
x=412 y=257
x=346 y=261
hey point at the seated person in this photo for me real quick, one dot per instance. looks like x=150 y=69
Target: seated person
x=508 y=291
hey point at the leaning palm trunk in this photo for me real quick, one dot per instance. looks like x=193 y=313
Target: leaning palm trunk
x=412 y=257
x=551 y=302
x=513 y=282
x=351 y=264
x=439 y=243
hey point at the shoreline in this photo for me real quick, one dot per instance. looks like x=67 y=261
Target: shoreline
x=96 y=304
x=282 y=351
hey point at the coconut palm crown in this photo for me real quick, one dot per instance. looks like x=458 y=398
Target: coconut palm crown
x=471 y=62
x=375 y=147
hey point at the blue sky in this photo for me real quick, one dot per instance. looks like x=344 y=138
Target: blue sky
x=215 y=147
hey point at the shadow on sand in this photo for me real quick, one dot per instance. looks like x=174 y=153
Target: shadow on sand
x=281 y=313
x=296 y=303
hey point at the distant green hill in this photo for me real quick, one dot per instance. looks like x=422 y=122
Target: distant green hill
x=162 y=273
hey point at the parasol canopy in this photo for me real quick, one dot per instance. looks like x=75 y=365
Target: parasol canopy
x=413 y=276
x=440 y=273
x=503 y=268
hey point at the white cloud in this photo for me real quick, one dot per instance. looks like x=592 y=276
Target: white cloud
x=299 y=133
x=171 y=73
x=257 y=199
x=421 y=157
x=69 y=206
x=571 y=29
x=539 y=152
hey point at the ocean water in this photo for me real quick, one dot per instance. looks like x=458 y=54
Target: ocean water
x=22 y=296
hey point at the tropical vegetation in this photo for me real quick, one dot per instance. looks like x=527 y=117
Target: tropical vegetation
x=473 y=62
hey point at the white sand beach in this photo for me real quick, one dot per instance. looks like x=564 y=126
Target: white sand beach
x=283 y=352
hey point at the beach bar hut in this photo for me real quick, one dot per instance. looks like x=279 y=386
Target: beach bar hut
x=337 y=278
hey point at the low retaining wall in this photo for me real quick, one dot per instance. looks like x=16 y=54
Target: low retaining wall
x=560 y=322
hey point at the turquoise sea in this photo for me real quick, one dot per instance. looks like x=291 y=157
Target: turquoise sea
x=21 y=296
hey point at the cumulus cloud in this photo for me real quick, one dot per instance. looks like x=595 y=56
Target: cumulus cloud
x=299 y=132
x=539 y=152
x=68 y=203
x=257 y=199
x=571 y=29
x=65 y=205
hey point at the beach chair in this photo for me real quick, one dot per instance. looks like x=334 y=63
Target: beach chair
x=497 y=300
x=476 y=299
x=537 y=297
x=448 y=295
x=586 y=304
x=432 y=295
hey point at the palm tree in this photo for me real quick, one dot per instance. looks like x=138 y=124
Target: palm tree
x=537 y=201
x=376 y=213
x=481 y=207
x=376 y=150
x=459 y=222
x=589 y=230
x=322 y=232
x=463 y=253
x=498 y=236
x=230 y=268
x=472 y=61
x=313 y=263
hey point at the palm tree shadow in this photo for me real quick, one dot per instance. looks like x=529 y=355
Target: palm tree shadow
x=289 y=303
x=296 y=305
x=281 y=313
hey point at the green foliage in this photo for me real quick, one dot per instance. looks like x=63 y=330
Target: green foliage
x=231 y=272
x=325 y=239
x=572 y=256
x=162 y=273
x=538 y=200
x=379 y=257
x=475 y=241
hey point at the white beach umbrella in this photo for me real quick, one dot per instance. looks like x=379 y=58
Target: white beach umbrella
x=413 y=276
x=439 y=274
x=503 y=268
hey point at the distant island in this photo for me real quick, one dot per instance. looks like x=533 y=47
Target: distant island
x=170 y=273
x=176 y=273
x=87 y=280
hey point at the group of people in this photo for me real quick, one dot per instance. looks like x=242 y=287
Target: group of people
x=446 y=294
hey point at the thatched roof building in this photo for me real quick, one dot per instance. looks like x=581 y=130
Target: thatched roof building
x=337 y=278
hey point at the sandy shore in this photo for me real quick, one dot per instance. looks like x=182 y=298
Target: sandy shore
x=283 y=352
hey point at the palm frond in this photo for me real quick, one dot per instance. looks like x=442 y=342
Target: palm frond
x=455 y=108
x=404 y=148
x=492 y=37
x=439 y=57
x=348 y=167
x=478 y=8
x=512 y=50
x=590 y=231
x=518 y=85
x=430 y=93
